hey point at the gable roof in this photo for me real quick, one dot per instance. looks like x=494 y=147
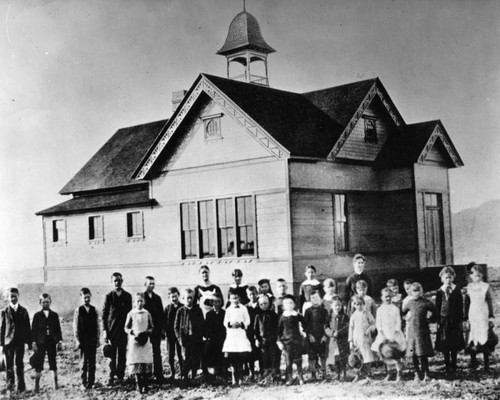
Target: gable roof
x=412 y=144
x=113 y=165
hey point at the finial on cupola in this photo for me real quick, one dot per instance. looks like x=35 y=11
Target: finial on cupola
x=245 y=46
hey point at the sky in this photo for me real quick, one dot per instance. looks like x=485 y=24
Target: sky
x=72 y=72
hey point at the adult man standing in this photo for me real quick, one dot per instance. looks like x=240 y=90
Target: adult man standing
x=117 y=304
x=154 y=305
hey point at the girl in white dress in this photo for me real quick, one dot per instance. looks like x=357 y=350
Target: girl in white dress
x=236 y=346
x=389 y=332
x=361 y=327
x=478 y=311
x=139 y=326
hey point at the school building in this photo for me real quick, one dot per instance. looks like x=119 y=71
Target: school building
x=246 y=176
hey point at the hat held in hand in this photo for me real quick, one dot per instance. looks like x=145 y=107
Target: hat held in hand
x=107 y=350
x=142 y=338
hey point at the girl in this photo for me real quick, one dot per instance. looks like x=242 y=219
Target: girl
x=419 y=345
x=139 y=325
x=265 y=288
x=266 y=336
x=478 y=308
x=361 y=327
x=310 y=285
x=236 y=346
x=397 y=298
x=330 y=289
x=388 y=324
x=204 y=292
x=337 y=329
x=291 y=334
x=238 y=287
x=450 y=309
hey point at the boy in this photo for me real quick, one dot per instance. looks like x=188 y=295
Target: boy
x=358 y=263
x=308 y=286
x=330 y=289
x=215 y=333
x=47 y=338
x=281 y=292
x=370 y=306
x=86 y=331
x=117 y=305
x=407 y=284
x=338 y=331
x=396 y=298
x=15 y=333
x=154 y=305
x=189 y=324
x=266 y=336
x=253 y=296
x=173 y=344
x=316 y=318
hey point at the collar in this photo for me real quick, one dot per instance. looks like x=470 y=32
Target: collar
x=46 y=312
x=443 y=287
x=312 y=282
x=14 y=306
x=290 y=313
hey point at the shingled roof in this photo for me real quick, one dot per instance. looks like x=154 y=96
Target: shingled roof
x=112 y=166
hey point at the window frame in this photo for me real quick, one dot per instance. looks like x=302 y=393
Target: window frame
x=207 y=122
x=130 y=228
x=95 y=239
x=345 y=248
x=59 y=241
x=370 y=138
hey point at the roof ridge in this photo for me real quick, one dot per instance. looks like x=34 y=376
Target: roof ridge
x=344 y=84
x=143 y=124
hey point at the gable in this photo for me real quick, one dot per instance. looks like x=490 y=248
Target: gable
x=197 y=144
x=440 y=138
x=357 y=145
x=437 y=155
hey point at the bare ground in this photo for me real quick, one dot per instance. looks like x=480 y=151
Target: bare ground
x=466 y=385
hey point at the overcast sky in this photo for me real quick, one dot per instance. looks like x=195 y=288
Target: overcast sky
x=72 y=72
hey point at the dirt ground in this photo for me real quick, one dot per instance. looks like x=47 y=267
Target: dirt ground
x=466 y=385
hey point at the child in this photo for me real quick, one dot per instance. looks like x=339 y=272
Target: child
x=189 y=324
x=117 y=305
x=253 y=309
x=407 y=286
x=291 y=334
x=87 y=333
x=388 y=323
x=204 y=292
x=236 y=346
x=396 y=297
x=139 y=326
x=173 y=344
x=419 y=345
x=253 y=296
x=358 y=262
x=47 y=339
x=316 y=317
x=330 y=290
x=154 y=305
x=478 y=309
x=265 y=288
x=370 y=306
x=266 y=336
x=337 y=329
x=215 y=333
x=281 y=291
x=450 y=311
x=307 y=287
x=15 y=333
x=238 y=287
x=361 y=328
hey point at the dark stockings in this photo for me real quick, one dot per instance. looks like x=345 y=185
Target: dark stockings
x=450 y=361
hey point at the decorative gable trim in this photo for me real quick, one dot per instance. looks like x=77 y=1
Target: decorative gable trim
x=439 y=133
x=204 y=85
x=376 y=90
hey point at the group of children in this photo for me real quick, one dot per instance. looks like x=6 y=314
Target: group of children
x=257 y=326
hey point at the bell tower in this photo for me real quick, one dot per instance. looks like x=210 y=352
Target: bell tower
x=246 y=48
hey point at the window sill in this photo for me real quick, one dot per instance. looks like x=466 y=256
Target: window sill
x=96 y=242
x=220 y=259
x=59 y=244
x=135 y=239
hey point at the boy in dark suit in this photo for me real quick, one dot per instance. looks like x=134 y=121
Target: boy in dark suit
x=117 y=304
x=47 y=338
x=173 y=344
x=15 y=332
x=86 y=330
x=154 y=305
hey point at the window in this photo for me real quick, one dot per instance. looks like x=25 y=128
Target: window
x=207 y=232
x=225 y=227
x=218 y=228
x=189 y=229
x=370 y=130
x=212 y=127
x=434 y=231
x=135 y=225
x=244 y=212
x=341 y=233
x=59 y=231
x=96 y=231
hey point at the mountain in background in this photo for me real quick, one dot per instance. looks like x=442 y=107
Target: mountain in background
x=476 y=234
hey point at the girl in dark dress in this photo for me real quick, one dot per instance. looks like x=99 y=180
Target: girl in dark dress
x=450 y=312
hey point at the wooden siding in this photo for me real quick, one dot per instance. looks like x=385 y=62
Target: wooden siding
x=344 y=177
x=272 y=233
x=355 y=147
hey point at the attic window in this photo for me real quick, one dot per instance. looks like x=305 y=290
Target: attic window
x=370 y=130
x=212 y=124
